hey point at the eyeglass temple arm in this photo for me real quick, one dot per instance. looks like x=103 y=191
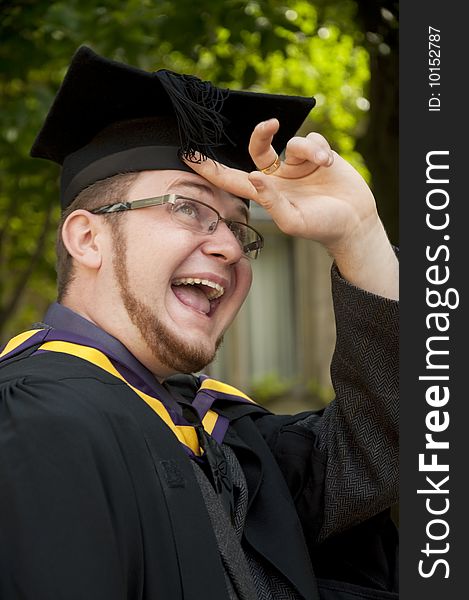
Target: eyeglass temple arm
x=122 y=206
x=152 y=201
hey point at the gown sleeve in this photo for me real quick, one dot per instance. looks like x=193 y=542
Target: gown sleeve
x=341 y=463
x=359 y=431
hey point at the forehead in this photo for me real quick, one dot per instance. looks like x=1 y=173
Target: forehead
x=155 y=183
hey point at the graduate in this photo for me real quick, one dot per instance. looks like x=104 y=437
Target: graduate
x=124 y=473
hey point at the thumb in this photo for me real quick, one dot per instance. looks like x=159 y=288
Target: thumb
x=268 y=195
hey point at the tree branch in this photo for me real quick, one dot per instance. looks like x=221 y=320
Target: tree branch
x=10 y=306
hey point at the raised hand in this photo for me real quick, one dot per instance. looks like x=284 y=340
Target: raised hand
x=315 y=194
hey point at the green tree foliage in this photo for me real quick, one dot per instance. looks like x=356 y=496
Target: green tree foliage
x=298 y=47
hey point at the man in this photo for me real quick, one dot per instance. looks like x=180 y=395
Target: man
x=123 y=476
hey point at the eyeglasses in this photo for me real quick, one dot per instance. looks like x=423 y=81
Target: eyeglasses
x=196 y=216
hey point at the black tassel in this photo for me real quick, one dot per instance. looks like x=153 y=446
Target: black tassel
x=197 y=106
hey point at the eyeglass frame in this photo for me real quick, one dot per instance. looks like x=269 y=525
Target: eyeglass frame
x=171 y=199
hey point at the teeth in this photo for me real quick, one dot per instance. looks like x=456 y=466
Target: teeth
x=217 y=290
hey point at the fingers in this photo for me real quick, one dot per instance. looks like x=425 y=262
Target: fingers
x=313 y=148
x=256 y=186
x=260 y=143
x=306 y=154
x=282 y=211
x=303 y=157
x=233 y=181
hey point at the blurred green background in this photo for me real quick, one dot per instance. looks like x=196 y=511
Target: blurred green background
x=342 y=52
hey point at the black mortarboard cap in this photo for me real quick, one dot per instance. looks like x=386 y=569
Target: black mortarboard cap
x=109 y=118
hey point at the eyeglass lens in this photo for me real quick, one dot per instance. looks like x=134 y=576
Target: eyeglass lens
x=199 y=217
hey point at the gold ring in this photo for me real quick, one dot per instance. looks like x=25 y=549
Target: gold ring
x=273 y=167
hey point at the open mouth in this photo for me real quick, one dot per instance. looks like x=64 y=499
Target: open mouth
x=202 y=295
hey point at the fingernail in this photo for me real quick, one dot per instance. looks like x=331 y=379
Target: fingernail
x=322 y=156
x=195 y=158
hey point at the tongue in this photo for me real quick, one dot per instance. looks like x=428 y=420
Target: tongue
x=192 y=296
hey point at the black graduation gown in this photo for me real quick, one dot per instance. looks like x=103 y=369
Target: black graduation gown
x=98 y=500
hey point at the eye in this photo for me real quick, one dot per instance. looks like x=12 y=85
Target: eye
x=240 y=231
x=187 y=208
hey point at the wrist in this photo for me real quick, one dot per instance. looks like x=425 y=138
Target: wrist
x=367 y=260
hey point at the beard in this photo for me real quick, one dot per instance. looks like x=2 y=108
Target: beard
x=168 y=348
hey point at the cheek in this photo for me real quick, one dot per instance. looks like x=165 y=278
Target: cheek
x=147 y=274
x=153 y=255
x=244 y=278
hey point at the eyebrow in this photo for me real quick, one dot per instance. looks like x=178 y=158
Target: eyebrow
x=241 y=208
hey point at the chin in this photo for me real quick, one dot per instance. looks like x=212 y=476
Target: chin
x=184 y=357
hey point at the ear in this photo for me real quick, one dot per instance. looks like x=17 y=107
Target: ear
x=82 y=235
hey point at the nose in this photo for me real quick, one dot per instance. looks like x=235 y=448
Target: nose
x=222 y=243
